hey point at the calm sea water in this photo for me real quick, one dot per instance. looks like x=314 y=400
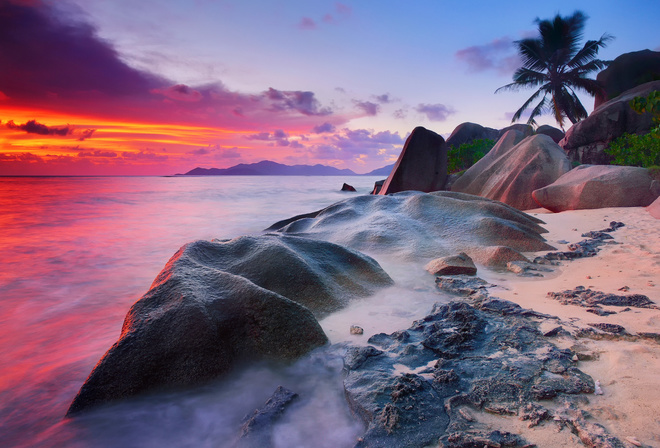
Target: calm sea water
x=76 y=253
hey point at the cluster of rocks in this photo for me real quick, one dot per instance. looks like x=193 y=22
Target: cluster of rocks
x=427 y=385
x=588 y=247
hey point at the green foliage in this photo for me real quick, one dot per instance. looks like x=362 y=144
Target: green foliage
x=466 y=155
x=639 y=150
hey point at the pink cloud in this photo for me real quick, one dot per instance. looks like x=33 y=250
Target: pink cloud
x=499 y=55
x=307 y=24
x=435 y=112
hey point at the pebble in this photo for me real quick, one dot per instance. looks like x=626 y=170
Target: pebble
x=597 y=389
x=633 y=441
x=356 y=330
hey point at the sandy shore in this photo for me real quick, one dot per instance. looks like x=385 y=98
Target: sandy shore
x=628 y=370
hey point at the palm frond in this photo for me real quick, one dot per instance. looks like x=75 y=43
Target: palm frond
x=538 y=110
x=530 y=100
x=531 y=54
x=589 y=51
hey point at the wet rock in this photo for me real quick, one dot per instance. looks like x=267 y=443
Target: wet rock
x=347 y=187
x=462 y=285
x=377 y=186
x=526 y=269
x=217 y=305
x=598 y=311
x=497 y=256
x=588 y=298
x=591 y=434
x=444 y=223
x=257 y=427
x=356 y=330
x=464 y=358
x=460 y=264
x=609 y=328
x=584 y=248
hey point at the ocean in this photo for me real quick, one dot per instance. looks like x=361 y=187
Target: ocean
x=77 y=252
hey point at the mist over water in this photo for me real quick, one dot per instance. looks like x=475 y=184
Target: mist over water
x=78 y=252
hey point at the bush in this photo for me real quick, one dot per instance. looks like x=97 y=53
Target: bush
x=639 y=150
x=466 y=155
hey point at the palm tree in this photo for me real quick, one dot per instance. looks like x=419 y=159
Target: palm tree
x=555 y=63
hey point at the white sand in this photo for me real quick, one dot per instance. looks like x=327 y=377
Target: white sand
x=629 y=372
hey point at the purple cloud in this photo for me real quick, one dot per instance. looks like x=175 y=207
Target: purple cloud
x=199 y=152
x=278 y=137
x=179 y=92
x=499 y=55
x=145 y=154
x=435 y=112
x=323 y=128
x=307 y=24
x=32 y=127
x=299 y=101
x=383 y=99
x=84 y=135
x=369 y=108
x=47 y=51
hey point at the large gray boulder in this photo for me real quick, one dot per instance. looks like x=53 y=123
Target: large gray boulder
x=219 y=304
x=627 y=72
x=513 y=169
x=421 y=166
x=421 y=226
x=525 y=129
x=468 y=132
x=586 y=140
x=599 y=186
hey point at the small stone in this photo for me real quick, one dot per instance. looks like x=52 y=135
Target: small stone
x=597 y=389
x=466 y=415
x=633 y=441
x=356 y=330
x=460 y=264
x=588 y=277
x=624 y=288
x=575 y=358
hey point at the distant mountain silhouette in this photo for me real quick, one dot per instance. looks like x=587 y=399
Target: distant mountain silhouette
x=268 y=168
x=384 y=171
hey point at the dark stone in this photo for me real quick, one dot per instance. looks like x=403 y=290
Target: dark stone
x=555 y=134
x=587 y=298
x=599 y=311
x=485 y=359
x=462 y=285
x=257 y=427
x=217 y=305
x=347 y=187
x=626 y=72
x=422 y=164
x=609 y=328
x=469 y=132
x=586 y=140
x=584 y=248
x=377 y=186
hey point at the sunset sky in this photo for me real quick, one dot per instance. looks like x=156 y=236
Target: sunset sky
x=111 y=87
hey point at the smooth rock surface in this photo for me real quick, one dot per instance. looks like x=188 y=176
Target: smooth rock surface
x=654 y=208
x=513 y=169
x=586 y=140
x=469 y=132
x=626 y=72
x=460 y=264
x=599 y=186
x=217 y=305
x=555 y=134
x=421 y=166
x=418 y=225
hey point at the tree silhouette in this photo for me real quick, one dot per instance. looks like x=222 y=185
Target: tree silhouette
x=555 y=63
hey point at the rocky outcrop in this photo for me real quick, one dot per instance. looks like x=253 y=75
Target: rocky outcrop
x=421 y=166
x=555 y=134
x=347 y=187
x=414 y=225
x=525 y=129
x=627 y=72
x=468 y=132
x=599 y=186
x=654 y=208
x=421 y=386
x=216 y=305
x=513 y=169
x=586 y=140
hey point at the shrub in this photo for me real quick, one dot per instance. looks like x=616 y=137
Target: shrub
x=466 y=155
x=639 y=150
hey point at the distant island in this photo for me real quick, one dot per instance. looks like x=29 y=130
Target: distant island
x=269 y=168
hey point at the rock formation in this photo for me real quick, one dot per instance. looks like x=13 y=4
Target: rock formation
x=416 y=225
x=347 y=187
x=654 y=208
x=555 y=134
x=219 y=304
x=585 y=141
x=422 y=164
x=468 y=132
x=599 y=186
x=627 y=72
x=513 y=169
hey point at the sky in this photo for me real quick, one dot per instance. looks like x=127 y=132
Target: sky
x=153 y=87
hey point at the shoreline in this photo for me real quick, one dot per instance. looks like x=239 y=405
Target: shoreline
x=626 y=367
